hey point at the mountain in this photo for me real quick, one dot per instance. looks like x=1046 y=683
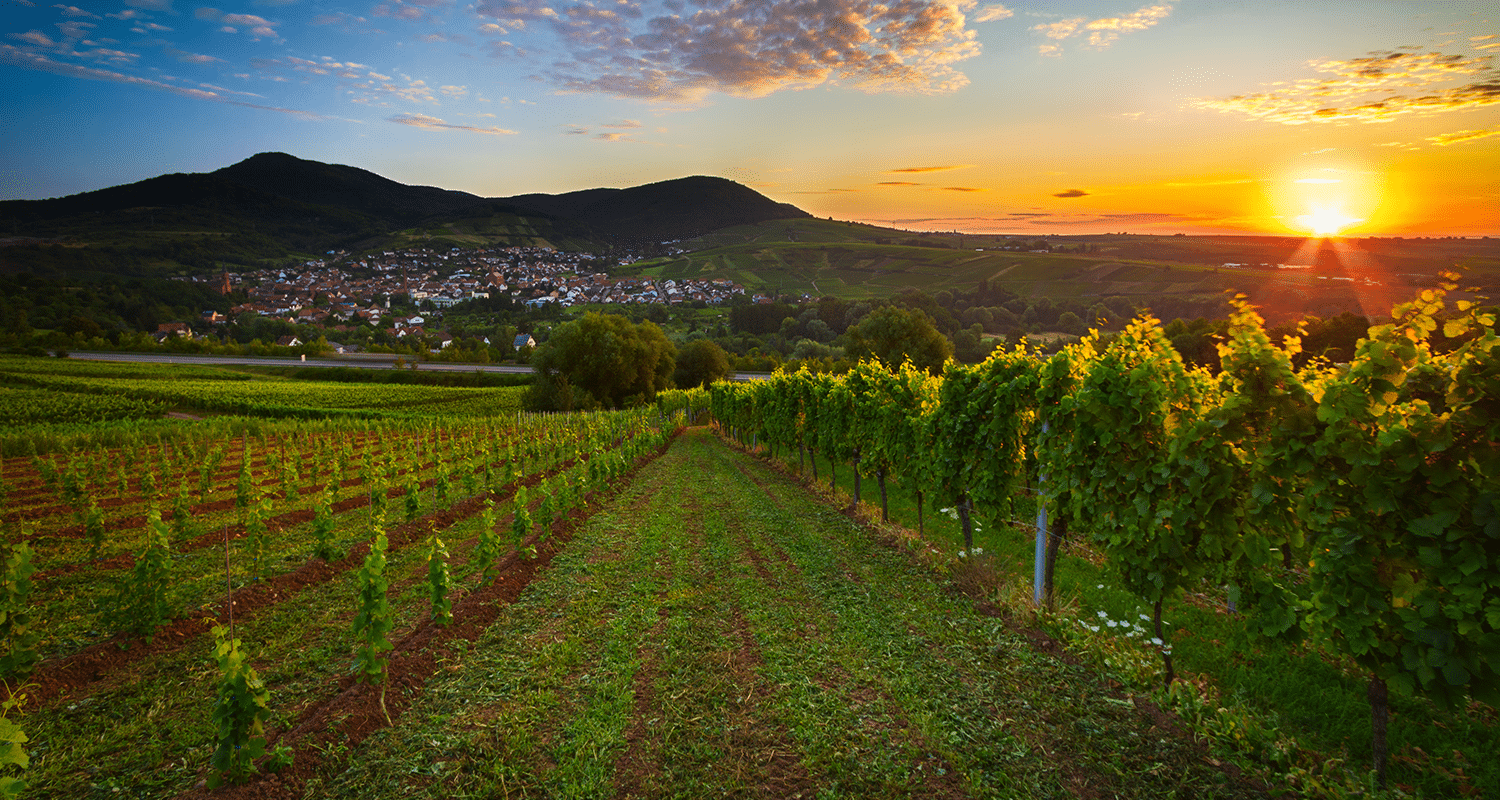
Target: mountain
x=318 y=206
x=669 y=210
x=339 y=186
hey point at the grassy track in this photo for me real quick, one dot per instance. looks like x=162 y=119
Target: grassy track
x=719 y=631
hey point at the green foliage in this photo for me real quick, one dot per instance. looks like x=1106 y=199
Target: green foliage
x=601 y=360
x=323 y=527
x=520 y=524
x=240 y=711
x=544 y=514
x=93 y=528
x=11 y=752
x=373 y=618
x=257 y=537
x=16 y=630
x=439 y=583
x=1402 y=505
x=700 y=363
x=487 y=549
x=142 y=604
x=244 y=488
x=893 y=335
x=413 y=498
x=182 y=512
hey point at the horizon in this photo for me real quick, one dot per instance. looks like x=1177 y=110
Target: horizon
x=1352 y=119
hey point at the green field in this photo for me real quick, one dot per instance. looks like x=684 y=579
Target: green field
x=699 y=622
x=57 y=391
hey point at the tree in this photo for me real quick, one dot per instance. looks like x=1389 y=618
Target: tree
x=893 y=335
x=601 y=360
x=700 y=363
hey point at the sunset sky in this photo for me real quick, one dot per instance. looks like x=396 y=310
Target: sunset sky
x=1055 y=117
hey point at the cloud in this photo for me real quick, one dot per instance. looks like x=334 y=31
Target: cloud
x=260 y=27
x=624 y=123
x=126 y=15
x=1144 y=218
x=1072 y=193
x=930 y=169
x=34 y=37
x=1457 y=137
x=992 y=12
x=409 y=10
x=1101 y=32
x=1375 y=88
x=25 y=59
x=74 y=29
x=433 y=123
x=194 y=58
x=155 y=5
x=1199 y=184
x=963 y=189
x=75 y=11
x=898 y=183
x=750 y=48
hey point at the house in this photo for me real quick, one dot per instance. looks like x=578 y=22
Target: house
x=289 y=341
x=213 y=317
x=523 y=340
x=179 y=329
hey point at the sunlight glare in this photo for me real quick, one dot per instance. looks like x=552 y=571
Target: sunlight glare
x=1326 y=220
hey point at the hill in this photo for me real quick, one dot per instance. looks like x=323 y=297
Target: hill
x=668 y=210
x=275 y=206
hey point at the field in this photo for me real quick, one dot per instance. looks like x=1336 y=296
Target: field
x=48 y=398
x=859 y=271
x=670 y=617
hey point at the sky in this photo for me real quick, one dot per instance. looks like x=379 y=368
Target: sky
x=1066 y=117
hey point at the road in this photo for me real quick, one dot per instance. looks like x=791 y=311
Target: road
x=361 y=362
x=358 y=362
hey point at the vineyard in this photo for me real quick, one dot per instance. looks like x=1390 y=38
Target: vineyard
x=127 y=564
x=1350 y=510
x=55 y=402
x=1249 y=580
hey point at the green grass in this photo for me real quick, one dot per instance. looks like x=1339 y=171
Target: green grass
x=719 y=631
x=1304 y=691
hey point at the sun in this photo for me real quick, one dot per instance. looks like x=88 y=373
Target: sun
x=1326 y=220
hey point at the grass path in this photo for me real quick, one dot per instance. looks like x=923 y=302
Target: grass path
x=719 y=631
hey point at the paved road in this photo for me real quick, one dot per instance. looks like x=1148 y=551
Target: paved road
x=360 y=362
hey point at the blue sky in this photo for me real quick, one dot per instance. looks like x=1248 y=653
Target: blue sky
x=1028 y=117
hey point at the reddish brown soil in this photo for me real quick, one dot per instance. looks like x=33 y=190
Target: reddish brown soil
x=355 y=713
x=66 y=676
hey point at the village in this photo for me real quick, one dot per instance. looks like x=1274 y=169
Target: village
x=341 y=289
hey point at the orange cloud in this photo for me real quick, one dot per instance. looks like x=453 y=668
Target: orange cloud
x=1375 y=88
x=1444 y=139
x=930 y=169
x=751 y=49
x=433 y=123
x=1101 y=32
